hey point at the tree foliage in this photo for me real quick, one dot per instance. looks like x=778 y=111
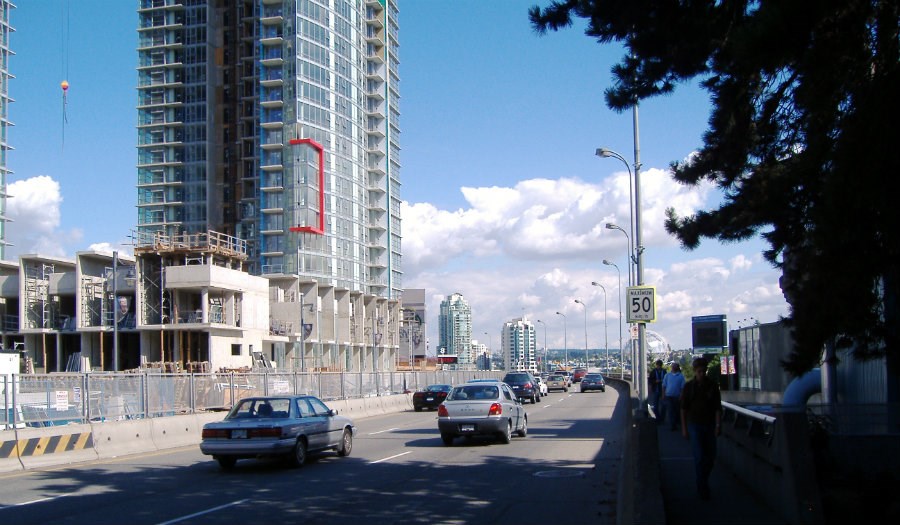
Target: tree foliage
x=802 y=141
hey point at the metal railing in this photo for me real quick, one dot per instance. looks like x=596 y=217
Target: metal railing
x=41 y=400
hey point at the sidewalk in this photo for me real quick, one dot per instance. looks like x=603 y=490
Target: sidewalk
x=732 y=502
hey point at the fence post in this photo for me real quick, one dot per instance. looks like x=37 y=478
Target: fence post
x=144 y=393
x=231 y=386
x=343 y=390
x=193 y=394
x=319 y=385
x=265 y=383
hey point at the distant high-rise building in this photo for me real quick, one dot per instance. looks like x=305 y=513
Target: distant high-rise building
x=518 y=343
x=276 y=122
x=5 y=52
x=456 y=330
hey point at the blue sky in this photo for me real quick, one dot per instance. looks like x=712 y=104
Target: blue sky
x=505 y=200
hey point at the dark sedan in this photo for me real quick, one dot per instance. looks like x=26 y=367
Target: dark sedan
x=290 y=426
x=430 y=397
x=524 y=385
x=593 y=382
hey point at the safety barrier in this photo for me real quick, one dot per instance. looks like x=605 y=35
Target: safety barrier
x=34 y=448
x=121 y=438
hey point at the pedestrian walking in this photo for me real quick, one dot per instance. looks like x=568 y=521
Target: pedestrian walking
x=656 y=390
x=701 y=422
x=673 y=384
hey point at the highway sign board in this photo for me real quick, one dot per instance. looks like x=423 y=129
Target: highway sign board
x=641 y=302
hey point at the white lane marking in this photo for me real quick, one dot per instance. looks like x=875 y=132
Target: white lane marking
x=382 y=431
x=51 y=498
x=389 y=458
x=202 y=512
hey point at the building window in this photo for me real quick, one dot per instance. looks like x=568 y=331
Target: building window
x=236 y=349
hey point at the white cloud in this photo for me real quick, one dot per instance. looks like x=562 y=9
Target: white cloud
x=535 y=247
x=740 y=262
x=34 y=207
x=542 y=219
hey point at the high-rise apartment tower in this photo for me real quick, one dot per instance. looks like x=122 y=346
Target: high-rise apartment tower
x=275 y=121
x=519 y=347
x=5 y=7
x=456 y=330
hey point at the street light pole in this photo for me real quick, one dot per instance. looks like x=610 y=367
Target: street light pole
x=638 y=250
x=605 y=323
x=586 y=359
x=115 y=307
x=565 y=337
x=490 y=350
x=619 y=287
x=630 y=255
x=545 y=345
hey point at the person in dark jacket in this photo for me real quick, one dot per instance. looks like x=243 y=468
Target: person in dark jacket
x=701 y=422
x=655 y=388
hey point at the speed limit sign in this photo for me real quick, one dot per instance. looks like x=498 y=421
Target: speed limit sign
x=641 y=301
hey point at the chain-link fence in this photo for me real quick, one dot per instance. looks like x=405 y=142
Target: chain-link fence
x=39 y=400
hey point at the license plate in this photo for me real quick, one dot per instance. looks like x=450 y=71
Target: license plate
x=467 y=428
x=239 y=434
x=429 y=399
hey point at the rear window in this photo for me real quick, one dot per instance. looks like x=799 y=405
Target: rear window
x=593 y=376
x=516 y=378
x=555 y=378
x=474 y=392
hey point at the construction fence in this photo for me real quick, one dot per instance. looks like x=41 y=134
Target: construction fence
x=41 y=400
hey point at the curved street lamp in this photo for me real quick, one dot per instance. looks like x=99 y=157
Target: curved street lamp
x=638 y=251
x=630 y=255
x=565 y=337
x=621 y=342
x=586 y=359
x=605 y=323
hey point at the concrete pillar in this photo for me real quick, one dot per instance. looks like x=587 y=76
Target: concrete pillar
x=204 y=305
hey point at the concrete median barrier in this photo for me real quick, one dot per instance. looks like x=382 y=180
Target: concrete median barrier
x=355 y=408
x=49 y=446
x=374 y=406
x=120 y=438
x=175 y=431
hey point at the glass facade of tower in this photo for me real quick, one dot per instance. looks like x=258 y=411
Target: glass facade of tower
x=5 y=7
x=276 y=121
x=456 y=330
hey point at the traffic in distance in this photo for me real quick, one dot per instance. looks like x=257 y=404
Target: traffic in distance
x=293 y=427
x=572 y=452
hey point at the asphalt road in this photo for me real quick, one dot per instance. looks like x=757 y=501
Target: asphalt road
x=564 y=471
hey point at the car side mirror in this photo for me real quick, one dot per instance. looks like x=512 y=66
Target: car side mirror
x=332 y=412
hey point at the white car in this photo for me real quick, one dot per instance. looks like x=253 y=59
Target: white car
x=542 y=386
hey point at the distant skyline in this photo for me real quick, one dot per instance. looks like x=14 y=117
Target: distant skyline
x=505 y=200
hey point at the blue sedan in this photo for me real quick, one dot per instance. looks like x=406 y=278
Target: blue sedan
x=290 y=426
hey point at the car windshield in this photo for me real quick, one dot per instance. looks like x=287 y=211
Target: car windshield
x=257 y=408
x=438 y=388
x=470 y=392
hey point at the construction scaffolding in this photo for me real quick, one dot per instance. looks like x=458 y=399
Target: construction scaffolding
x=37 y=295
x=92 y=303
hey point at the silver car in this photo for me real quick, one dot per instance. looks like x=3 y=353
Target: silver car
x=290 y=426
x=482 y=409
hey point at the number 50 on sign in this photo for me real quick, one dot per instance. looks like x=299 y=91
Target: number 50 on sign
x=641 y=302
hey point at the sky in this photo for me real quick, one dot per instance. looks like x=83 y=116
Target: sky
x=504 y=199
